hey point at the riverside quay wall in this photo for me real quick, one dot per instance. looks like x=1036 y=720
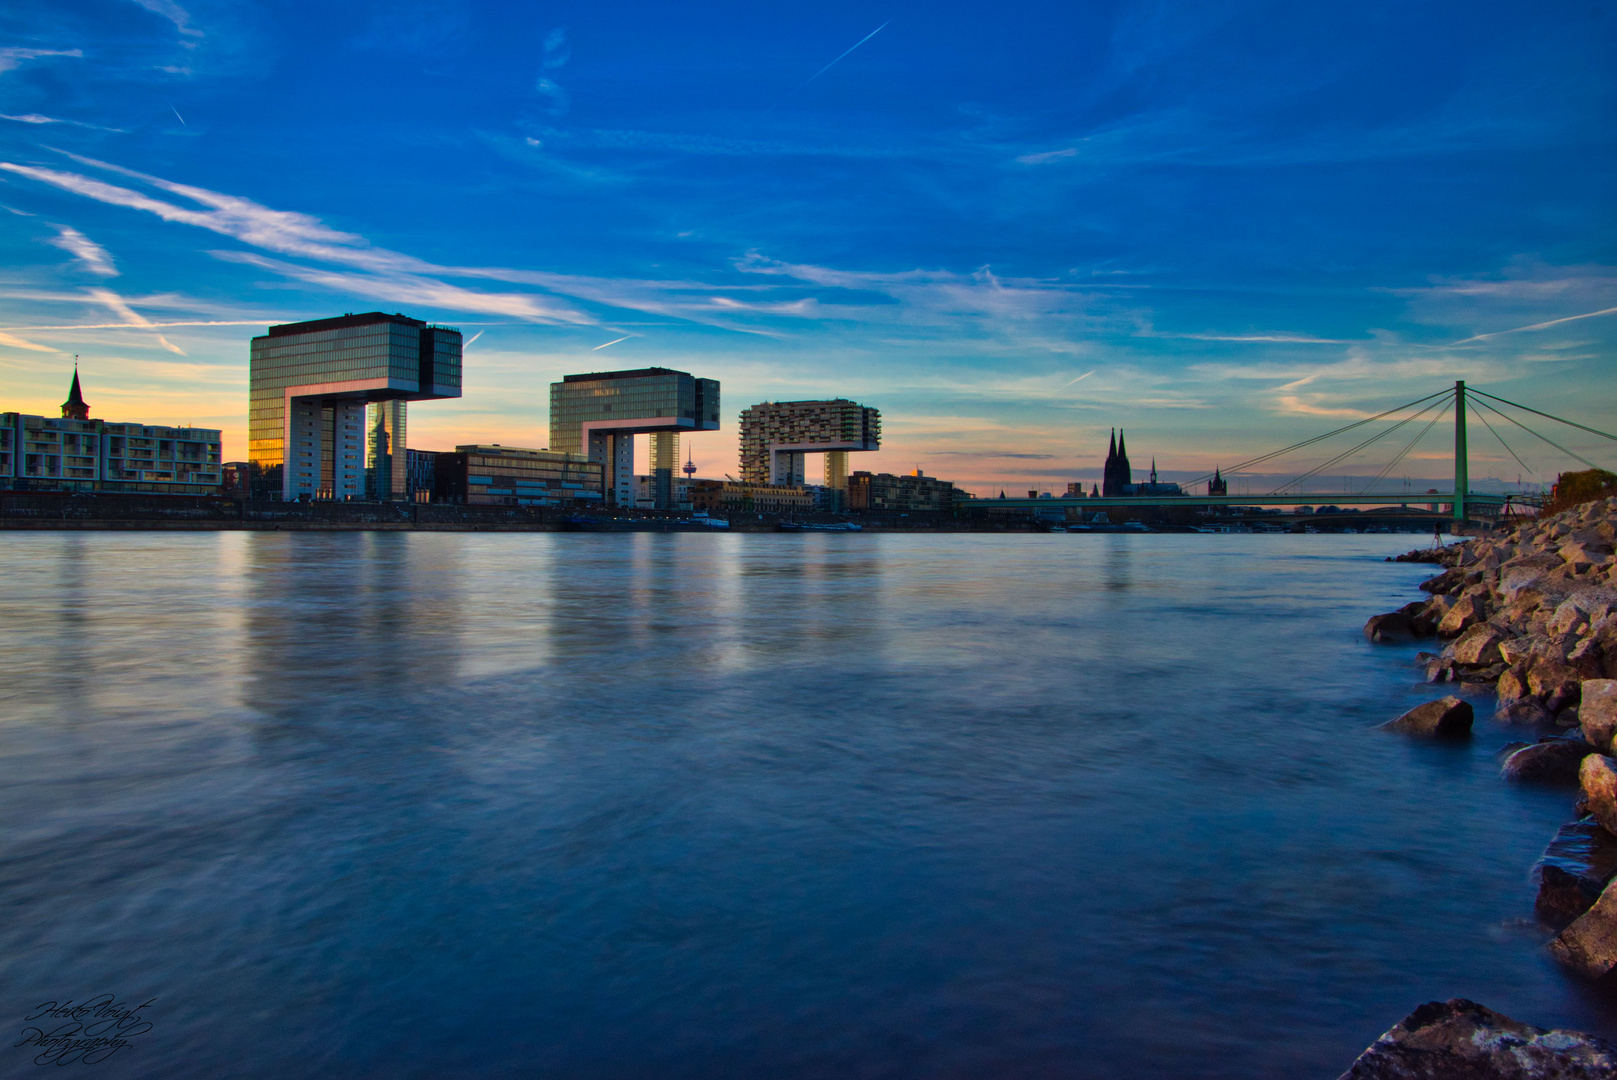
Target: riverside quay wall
x=48 y=510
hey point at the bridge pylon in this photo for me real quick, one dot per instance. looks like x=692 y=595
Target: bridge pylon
x=1462 y=469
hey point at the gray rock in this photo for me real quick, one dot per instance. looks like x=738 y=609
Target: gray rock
x=1577 y=866
x=1597 y=714
x=1466 y=613
x=1512 y=686
x=1597 y=774
x=1554 y=683
x=1461 y=1040
x=1447 y=717
x=1479 y=646
x=1551 y=761
x=1589 y=945
x=1393 y=626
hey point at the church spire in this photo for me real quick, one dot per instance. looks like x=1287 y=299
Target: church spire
x=75 y=407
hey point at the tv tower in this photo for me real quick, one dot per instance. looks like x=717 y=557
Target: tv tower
x=689 y=467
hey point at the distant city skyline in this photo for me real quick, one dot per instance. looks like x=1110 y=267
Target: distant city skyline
x=1222 y=229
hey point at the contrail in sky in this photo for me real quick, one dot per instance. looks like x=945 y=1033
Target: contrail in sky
x=851 y=48
x=474 y=337
x=614 y=341
x=177 y=115
x=1085 y=375
x=1539 y=326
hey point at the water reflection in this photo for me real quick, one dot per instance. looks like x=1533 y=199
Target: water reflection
x=688 y=805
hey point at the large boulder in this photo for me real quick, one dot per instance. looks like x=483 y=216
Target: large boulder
x=1461 y=1040
x=1597 y=714
x=1466 y=613
x=1552 y=760
x=1525 y=713
x=1589 y=945
x=1597 y=774
x=1512 y=686
x=1577 y=866
x=1447 y=717
x=1555 y=683
x=1587 y=659
x=1393 y=626
x=1449 y=581
x=1479 y=646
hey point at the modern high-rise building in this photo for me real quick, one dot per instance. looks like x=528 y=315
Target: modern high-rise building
x=327 y=399
x=776 y=434
x=598 y=416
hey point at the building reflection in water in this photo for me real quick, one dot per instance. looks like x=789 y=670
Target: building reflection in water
x=355 y=618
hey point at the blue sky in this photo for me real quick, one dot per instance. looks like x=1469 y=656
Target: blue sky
x=1221 y=226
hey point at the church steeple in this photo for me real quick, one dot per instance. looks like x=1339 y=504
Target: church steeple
x=75 y=407
x=1153 y=468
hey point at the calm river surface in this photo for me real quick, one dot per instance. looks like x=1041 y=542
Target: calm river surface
x=638 y=805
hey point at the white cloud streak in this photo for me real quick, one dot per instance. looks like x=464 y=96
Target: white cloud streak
x=40 y=118
x=10 y=58
x=15 y=342
x=1537 y=326
x=117 y=305
x=94 y=257
x=174 y=13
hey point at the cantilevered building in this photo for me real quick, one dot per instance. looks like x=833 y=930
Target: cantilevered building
x=326 y=411
x=598 y=416
x=776 y=434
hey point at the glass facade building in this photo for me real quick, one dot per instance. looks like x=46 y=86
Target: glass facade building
x=598 y=415
x=326 y=410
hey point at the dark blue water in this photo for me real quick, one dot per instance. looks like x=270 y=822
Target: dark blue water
x=449 y=805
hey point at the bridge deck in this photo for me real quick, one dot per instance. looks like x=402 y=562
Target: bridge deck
x=1411 y=502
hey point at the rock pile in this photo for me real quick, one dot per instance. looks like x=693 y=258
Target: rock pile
x=1461 y=1040
x=1533 y=613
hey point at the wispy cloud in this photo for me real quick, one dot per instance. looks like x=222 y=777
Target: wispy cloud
x=1537 y=326
x=117 y=305
x=418 y=289
x=1284 y=339
x=174 y=13
x=94 y=257
x=10 y=58
x=39 y=118
x=1047 y=156
x=15 y=342
x=614 y=341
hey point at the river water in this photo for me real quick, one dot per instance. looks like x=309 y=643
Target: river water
x=640 y=805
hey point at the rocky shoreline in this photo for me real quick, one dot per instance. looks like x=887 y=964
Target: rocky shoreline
x=1532 y=614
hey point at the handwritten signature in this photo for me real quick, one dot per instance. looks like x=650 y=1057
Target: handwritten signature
x=90 y=1032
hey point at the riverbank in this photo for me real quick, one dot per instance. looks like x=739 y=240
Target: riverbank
x=1532 y=615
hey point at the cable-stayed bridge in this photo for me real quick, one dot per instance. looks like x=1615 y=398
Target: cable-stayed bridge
x=1423 y=414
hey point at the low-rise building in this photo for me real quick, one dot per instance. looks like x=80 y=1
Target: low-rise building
x=732 y=497
x=646 y=496
x=420 y=475
x=76 y=453
x=515 y=476
x=911 y=492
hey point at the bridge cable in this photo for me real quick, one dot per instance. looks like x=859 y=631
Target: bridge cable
x=1407 y=448
x=1351 y=451
x=1501 y=438
x=1321 y=438
x=1547 y=416
x=1536 y=435
x=1354 y=450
